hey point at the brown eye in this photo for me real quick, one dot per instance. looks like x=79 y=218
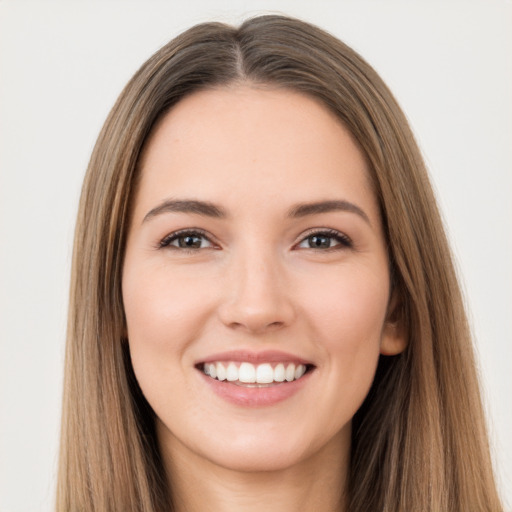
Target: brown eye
x=319 y=241
x=190 y=240
x=325 y=240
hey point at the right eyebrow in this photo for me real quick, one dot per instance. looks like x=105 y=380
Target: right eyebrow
x=203 y=208
x=333 y=205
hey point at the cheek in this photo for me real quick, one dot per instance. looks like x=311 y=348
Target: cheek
x=348 y=320
x=351 y=306
x=162 y=309
x=164 y=315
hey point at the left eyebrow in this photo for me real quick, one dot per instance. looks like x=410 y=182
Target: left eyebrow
x=192 y=206
x=305 y=209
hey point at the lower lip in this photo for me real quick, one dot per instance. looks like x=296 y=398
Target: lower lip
x=255 y=396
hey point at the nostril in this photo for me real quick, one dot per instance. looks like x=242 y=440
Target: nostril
x=256 y=325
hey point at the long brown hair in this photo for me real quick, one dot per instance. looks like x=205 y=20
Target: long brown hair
x=419 y=440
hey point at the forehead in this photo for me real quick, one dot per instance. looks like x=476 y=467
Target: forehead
x=253 y=144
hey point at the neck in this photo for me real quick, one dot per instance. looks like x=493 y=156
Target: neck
x=316 y=483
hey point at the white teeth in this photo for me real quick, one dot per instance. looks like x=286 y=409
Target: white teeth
x=289 y=374
x=299 y=371
x=221 y=371
x=264 y=374
x=279 y=373
x=232 y=372
x=248 y=373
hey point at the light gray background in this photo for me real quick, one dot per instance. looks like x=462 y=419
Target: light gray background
x=62 y=65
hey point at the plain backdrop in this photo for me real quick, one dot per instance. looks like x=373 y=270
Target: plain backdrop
x=62 y=65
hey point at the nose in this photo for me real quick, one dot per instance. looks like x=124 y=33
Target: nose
x=256 y=297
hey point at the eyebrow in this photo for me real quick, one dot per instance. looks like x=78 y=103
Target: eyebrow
x=203 y=208
x=207 y=209
x=305 y=209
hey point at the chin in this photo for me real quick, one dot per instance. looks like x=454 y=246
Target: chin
x=252 y=453
x=255 y=458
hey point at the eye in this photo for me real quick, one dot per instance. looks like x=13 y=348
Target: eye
x=325 y=240
x=187 y=240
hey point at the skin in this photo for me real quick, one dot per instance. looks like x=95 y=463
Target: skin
x=255 y=283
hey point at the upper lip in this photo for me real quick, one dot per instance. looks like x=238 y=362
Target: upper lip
x=250 y=356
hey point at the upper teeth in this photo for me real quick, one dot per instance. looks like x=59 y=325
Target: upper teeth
x=249 y=373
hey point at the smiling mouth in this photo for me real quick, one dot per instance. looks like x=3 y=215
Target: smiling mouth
x=254 y=375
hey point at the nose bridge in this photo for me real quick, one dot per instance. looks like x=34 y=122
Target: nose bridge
x=256 y=296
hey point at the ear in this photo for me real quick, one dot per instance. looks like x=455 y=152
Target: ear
x=393 y=340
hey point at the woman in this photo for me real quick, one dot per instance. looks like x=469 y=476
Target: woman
x=264 y=311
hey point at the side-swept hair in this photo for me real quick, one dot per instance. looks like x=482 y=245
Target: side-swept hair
x=419 y=441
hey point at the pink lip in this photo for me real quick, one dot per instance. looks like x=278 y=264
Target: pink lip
x=266 y=356
x=254 y=396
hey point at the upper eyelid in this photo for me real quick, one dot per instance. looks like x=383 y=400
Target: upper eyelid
x=325 y=230
x=322 y=231
x=187 y=231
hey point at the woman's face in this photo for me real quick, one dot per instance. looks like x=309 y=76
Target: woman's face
x=255 y=281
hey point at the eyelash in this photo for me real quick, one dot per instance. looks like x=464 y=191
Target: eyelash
x=166 y=242
x=343 y=240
